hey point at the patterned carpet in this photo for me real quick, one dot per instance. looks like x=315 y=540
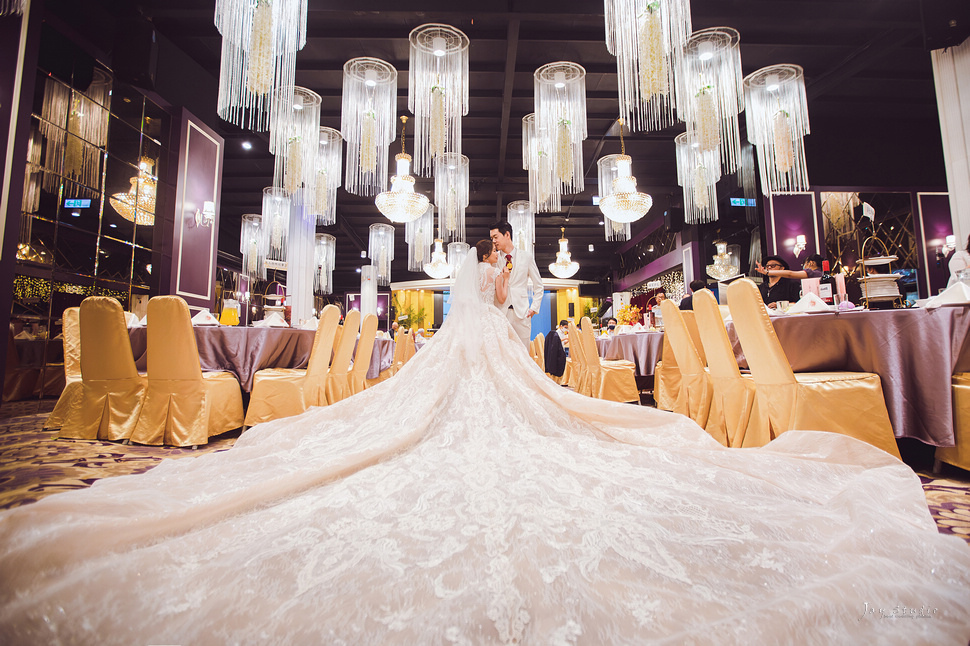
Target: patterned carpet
x=33 y=464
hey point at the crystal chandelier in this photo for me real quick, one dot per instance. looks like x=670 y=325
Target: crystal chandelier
x=328 y=169
x=545 y=190
x=294 y=135
x=250 y=245
x=401 y=203
x=138 y=204
x=380 y=250
x=418 y=234
x=619 y=199
x=560 y=108
x=777 y=120
x=523 y=223
x=325 y=253
x=457 y=252
x=710 y=93
x=275 y=227
x=697 y=172
x=647 y=38
x=438 y=267
x=451 y=194
x=723 y=268
x=564 y=267
x=367 y=112
x=260 y=40
x=437 y=92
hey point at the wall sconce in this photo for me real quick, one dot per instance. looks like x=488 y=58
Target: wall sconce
x=951 y=244
x=799 y=245
x=206 y=216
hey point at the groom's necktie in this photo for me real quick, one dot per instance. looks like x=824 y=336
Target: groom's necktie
x=508 y=261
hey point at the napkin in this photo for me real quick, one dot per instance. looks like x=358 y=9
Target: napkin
x=809 y=303
x=131 y=320
x=25 y=336
x=204 y=317
x=310 y=324
x=144 y=321
x=956 y=294
x=275 y=319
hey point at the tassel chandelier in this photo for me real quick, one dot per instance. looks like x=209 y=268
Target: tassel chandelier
x=325 y=253
x=619 y=199
x=418 y=234
x=380 y=250
x=328 y=174
x=451 y=194
x=545 y=191
x=294 y=140
x=401 y=204
x=560 y=108
x=367 y=113
x=697 y=172
x=523 y=223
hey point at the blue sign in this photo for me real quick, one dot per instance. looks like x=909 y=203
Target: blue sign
x=77 y=204
x=740 y=201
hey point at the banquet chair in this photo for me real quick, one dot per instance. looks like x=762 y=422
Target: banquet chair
x=734 y=393
x=183 y=406
x=579 y=376
x=410 y=348
x=70 y=397
x=338 y=379
x=365 y=349
x=540 y=342
x=112 y=391
x=696 y=391
x=666 y=379
x=958 y=455
x=611 y=380
x=849 y=403
x=284 y=392
x=396 y=362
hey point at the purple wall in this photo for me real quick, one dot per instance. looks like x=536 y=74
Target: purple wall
x=788 y=216
x=933 y=225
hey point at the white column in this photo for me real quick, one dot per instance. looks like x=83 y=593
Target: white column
x=951 y=71
x=368 y=290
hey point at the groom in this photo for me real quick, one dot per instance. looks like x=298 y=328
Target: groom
x=523 y=267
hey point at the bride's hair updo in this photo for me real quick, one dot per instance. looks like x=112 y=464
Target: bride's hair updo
x=484 y=249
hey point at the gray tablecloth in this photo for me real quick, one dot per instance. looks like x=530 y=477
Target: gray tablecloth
x=244 y=350
x=642 y=348
x=914 y=352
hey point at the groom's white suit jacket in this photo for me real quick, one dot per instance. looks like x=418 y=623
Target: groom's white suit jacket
x=523 y=268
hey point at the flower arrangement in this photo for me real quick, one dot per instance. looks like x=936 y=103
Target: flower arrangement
x=628 y=315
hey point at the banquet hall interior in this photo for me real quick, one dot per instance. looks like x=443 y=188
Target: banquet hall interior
x=147 y=176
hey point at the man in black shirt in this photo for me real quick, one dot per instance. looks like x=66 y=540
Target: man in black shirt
x=687 y=302
x=778 y=288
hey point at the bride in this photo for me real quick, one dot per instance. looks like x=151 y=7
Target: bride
x=471 y=500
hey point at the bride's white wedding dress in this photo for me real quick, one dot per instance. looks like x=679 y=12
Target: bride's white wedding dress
x=471 y=500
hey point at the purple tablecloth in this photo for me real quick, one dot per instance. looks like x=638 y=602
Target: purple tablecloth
x=914 y=352
x=244 y=350
x=642 y=348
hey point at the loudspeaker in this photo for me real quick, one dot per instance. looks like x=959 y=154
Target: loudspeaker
x=674 y=218
x=946 y=23
x=135 y=53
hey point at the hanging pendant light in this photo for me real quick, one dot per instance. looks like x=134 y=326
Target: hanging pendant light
x=259 y=44
x=325 y=254
x=616 y=231
x=401 y=203
x=328 y=168
x=777 y=120
x=380 y=250
x=545 y=190
x=451 y=194
x=711 y=93
x=647 y=38
x=560 y=108
x=250 y=245
x=367 y=113
x=294 y=141
x=437 y=92
x=11 y=7
x=418 y=234
x=723 y=267
x=523 y=223
x=275 y=227
x=438 y=268
x=619 y=199
x=138 y=204
x=457 y=252
x=564 y=267
x=697 y=172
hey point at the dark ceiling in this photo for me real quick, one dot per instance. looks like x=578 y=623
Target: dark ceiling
x=865 y=66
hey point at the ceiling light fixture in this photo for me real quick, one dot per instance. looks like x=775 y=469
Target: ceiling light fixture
x=401 y=204
x=565 y=266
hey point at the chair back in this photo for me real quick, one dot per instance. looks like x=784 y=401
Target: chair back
x=714 y=337
x=681 y=341
x=410 y=348
x=590 y=351
x=576 y=350
x=399 y=346
x=761 y=346
x=173 y=354
x=541 y=350
x=104 y=337
x=71 y=329
x=365 y=348
x=345 y=347
x=323 y=341
x=691 y=322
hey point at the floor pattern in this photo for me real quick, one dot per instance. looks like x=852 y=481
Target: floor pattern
x=34 y=464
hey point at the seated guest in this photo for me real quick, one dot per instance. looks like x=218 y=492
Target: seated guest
x=687 y=302
x=811 y=268
x=394 y=327
x=777 y=287
x=555 y=351
x=610 y=327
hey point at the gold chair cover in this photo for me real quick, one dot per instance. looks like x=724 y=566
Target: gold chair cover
x=284 y=392
x=696 y=391
x=183 y=406
x=734 y=393
x=611 y=380
x=112 y=391
x=959 y=455
x=365 y=348
x=850 y=403
x=579 y=377
x=666 y=380
x=399 y=347
x=71 y=395
x=338 y=380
